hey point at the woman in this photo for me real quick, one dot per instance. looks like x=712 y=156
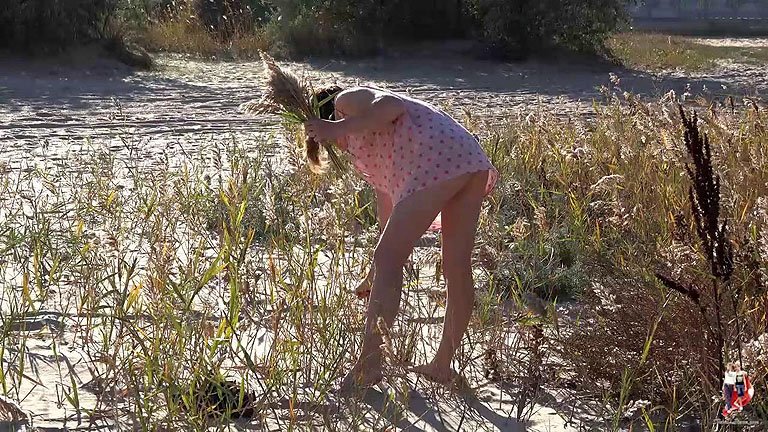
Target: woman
x=729 y=381
x=422 y=163
x=741 y=386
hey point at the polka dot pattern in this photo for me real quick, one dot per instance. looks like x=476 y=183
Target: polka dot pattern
x=422 y=148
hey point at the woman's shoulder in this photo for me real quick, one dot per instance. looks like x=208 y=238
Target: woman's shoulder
x=355 y=99
x=365 y=93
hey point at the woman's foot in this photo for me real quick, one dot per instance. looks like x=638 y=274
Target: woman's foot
x=440 y=375
x=360 y=378
x=447 y=377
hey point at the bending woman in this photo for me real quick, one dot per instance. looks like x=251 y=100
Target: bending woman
x=428 y=171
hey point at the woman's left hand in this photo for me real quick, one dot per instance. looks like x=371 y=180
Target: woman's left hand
x=323 y=130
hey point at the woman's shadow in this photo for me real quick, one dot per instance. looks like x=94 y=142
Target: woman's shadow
x=462 y=412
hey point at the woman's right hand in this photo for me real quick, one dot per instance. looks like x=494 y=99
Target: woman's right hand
x=363 y=290
x=324 y=130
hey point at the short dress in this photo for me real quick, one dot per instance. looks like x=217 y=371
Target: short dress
x=421 y=148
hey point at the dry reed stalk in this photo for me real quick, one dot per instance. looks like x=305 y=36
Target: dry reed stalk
x=293 y=98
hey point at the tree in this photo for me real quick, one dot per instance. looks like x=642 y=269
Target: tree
x=519 y=27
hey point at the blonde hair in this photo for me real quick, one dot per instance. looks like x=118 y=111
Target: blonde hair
x=312 y=152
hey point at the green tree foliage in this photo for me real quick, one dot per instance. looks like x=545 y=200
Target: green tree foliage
x=506 y=27
x=358 y=27
x=230 y=17
x=520 y=27
x=52 y=24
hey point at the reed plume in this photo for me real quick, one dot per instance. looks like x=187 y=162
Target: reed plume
x=293 y=99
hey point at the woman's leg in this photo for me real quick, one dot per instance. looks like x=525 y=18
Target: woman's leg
x=409 y=220
x=383 y=211
x=460 y=218
x=739 y=395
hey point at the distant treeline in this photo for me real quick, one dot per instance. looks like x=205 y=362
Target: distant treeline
x=300 y=27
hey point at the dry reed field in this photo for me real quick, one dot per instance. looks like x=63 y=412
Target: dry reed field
x=620 y=261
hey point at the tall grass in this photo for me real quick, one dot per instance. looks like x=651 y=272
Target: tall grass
x=605 y=204
x=657 y=52
x=203 y=289
x=183 y=31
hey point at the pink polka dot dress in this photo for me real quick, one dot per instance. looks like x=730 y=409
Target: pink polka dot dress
x=421 y=148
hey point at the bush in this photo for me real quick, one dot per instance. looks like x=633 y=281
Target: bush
x=518 y=28
x=230 y=29
x=229 y=18
x=425 y=19
x=509 y=28
x=52 y=25
x=316 y=27
x=362 y=27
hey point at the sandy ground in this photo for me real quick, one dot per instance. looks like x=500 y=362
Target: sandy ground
x=50 y=113
x=53 y=111
x=57 y=360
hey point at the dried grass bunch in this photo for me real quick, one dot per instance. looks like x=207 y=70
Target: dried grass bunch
x=293 y=99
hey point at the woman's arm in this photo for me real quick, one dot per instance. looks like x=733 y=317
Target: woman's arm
x=365 y=109
x=368 y=110
x=383 y=212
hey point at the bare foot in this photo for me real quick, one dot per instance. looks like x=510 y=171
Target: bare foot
x=358 y=379
x=363 y=289
x=444 y=376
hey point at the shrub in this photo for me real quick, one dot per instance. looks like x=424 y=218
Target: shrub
x=362 y=27
x=229 y=18
x=424 y=19
x=322 y=27
x=315 y=27
x=195 y=27
x=518 y=28
x=508 y=27
x=42 y=24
